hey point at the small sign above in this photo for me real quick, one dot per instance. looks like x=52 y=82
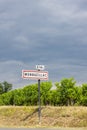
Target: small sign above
x=34 y=74
x=40 y=67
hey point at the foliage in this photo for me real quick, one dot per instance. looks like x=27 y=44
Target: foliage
x=84 y=95
x=45 y=92
x=5 y=87
x=65 y=94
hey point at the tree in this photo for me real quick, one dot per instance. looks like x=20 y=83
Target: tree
x=66 y=91
x=6 y=86
x=31 y=94
x=45 y=89
x=18 y=97
x=1 y=88
x=84 y=95
x=6 y=98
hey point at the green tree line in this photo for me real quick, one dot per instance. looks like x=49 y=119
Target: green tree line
x=66 y=93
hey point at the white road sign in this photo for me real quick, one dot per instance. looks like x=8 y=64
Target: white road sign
x=34 y=74
x=40 y=67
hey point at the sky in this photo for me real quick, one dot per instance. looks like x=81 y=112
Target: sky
x=47 y=32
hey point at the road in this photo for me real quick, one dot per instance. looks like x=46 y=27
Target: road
x=43 y=128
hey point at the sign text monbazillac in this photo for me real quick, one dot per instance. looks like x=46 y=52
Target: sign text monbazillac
x=34 y=74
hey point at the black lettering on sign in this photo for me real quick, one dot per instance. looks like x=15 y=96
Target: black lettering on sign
x=25 y=74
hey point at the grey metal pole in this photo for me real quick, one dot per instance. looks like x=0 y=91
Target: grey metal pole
x=39 y=103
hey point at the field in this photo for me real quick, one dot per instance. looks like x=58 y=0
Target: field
x=24 y=116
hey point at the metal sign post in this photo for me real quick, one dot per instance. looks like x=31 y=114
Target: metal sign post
x=39 y=68
x=39 y=102
x=38 y=74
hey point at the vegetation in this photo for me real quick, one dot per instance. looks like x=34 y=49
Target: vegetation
x=67 y=93
x=27 y=116
x=70 y=99
x=5 y=87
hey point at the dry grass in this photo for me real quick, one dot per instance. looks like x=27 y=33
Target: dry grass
x=14 y=116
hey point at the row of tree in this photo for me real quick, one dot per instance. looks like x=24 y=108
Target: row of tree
x=66 y=93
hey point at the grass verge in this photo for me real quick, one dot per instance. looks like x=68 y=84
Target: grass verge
x=26 y=116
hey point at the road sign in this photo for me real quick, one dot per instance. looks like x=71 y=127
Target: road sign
x=34 y=74
x=40 y=67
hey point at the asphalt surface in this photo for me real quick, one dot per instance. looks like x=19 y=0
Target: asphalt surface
x=43 y=128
